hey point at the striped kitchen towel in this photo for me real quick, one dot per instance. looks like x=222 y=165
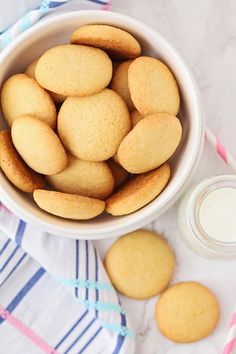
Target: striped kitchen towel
x=8 y=14
x=55 y=296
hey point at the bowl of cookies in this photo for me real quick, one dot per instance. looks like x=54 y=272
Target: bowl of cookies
x=101 y=125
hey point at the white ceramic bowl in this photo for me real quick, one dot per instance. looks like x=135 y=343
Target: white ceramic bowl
x=57 y=30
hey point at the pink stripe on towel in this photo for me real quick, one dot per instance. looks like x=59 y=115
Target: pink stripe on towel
x=4 y=208
x=26 y=331
x=107 y=7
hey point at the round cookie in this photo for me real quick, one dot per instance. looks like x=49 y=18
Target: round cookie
x=150 y=143
x=187 y=312
x=140 y=264
x=30 y=71
x=119 y=83
x=23 y=95
x=91 y=179
x=92 y=127
x=153 y=87
x=68 y=206
x=135 y=117
x=74 y=70
x=57 y=98
x=116 y=42
x=38 y=145
x=138 y=191
x=118 y=172
x=15 y=168
x=115 y=159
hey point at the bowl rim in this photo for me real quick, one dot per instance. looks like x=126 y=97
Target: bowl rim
x=147 y=215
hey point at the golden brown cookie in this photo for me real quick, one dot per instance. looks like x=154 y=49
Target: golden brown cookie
x=187 y=312
x=38 y=145
x=15 y=168
x=69 y=206
x=138 y=191
x=91 y=179
x=153 y=87
x=150 y=143
x=119 y=83
x=74 y=70
x=115 y=159
x=57 y=98
x=23 y=95
x=135 y=117
x=116 y=42
x=30 y=71
x=140 y=264
x=92 y=127
x=118 y=172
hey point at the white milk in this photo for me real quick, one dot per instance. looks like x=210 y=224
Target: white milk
x=217 y=214
x=207 y=217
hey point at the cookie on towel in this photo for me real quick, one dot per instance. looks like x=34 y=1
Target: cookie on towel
x=91 y=179
x=135 y=117
x=38 y=145
x=187 y=312
x=119 y=83
x=119 y=173
x=30 y=71
x=92 y=127
x=23 y=95
x=69 y=206
x=153 y=87
x=138 y=191
x=116 y=42
x=15 y=168
x=74 y=70
x=140 y=264
x=150 y=143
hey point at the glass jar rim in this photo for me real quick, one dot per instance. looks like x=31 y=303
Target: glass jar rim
x=197 y=196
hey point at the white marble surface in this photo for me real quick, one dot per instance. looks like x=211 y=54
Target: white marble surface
x=204 y=32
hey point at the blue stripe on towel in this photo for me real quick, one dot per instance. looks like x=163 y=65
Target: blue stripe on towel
x=25 y=23
x=4 y=246
x=24 y=291
x=9 y=259
x=76 y=263
x=20 y=232
x=71 y=329
x=81 y=283
x=14 y=268
x=90 y=340
x=120 y=339
x=101 y=306
x=80 y=335
x=53 y=4
x=5 y=40
x=99 y=2
x=96 y=278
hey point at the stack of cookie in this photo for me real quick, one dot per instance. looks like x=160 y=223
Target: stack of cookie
x=81 y=147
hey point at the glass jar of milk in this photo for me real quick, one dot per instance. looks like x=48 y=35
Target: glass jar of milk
x=207 y=217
